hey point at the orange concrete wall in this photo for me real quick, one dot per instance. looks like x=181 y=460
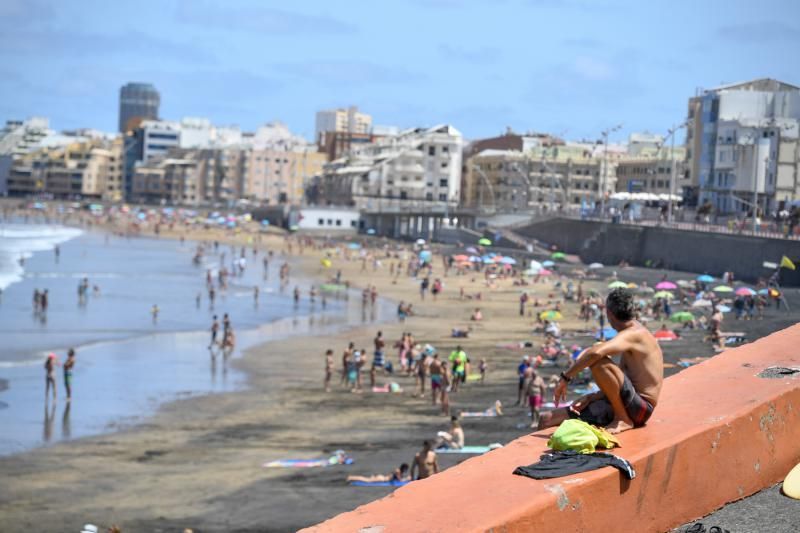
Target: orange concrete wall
x=718 y=434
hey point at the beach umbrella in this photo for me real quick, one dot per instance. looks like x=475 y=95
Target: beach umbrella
x=664 y=294
x=705 y=278
x=536 y=265
x=722 y=288
x=497 y=258
x=763 y=292
x=531 y=272
x=487 y=260
x=508 y=261
x=682 y=316
x=666 y=286
x=471 y=250
x=550 y=315
x=370 y=231
x=547 y=263
x=325 y=262
x=665 y=335
x=425 y=255
x=265 y=222
x=745 y=291
x=475 y=259
x=484 y=242
x=723 y=309
x=618 y=285
x=702 y=302
x=558 y=255
x=645 y=290
x=353 y=246
x=420 y=241
x=595 y=266
x=607 y=333
x=545 y=272
x=684 y=283
x=461 y=258
x=632 y=285
x=294 y=227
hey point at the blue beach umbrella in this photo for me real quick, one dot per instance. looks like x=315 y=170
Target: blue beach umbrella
x=370 y=231
x=547 y=263
x=425 y=255
x=508 y=261
x=265 y=222
x=608 y=333
x=705 y=278
x=354 y=246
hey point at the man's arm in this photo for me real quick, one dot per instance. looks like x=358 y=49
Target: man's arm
x=435 y=464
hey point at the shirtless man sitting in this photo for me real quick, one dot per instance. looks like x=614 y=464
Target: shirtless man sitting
x=454 y=439
x=425 y=462
x=628 y=392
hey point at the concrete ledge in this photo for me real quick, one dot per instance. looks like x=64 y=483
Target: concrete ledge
x=719 y=433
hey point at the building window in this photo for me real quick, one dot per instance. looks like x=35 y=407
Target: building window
x=330 y=222
x=443 y=197
x=443 y=183
x=445 y=149
x=429 y=196
x=352 y=223
x=320 y=222
x=403 y=195
x=338 y=221
x=444 y=164
x=431 y=150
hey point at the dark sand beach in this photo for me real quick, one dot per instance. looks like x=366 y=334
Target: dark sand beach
x=196 y=463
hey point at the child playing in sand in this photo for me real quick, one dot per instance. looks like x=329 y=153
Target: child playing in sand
x=482 y=368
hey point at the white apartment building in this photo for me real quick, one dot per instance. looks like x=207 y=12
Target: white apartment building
x=349 y=120
x=742 y=141
x=420 y=167
x=18 y=137
x=159 y=137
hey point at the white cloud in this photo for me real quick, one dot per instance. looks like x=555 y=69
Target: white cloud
x=593 y=69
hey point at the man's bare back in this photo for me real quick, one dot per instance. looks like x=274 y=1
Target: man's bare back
x=643 y=362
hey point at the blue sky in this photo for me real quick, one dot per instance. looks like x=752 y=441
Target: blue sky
x=570 y=67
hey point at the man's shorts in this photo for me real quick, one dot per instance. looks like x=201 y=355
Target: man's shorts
x=535 y=402
x=601 y=413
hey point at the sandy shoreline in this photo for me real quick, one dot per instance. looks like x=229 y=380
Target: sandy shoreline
x=197 y=462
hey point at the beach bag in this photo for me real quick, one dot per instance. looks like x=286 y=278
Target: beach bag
x=577 y=435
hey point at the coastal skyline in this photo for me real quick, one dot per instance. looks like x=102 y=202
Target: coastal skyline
x=571 y=68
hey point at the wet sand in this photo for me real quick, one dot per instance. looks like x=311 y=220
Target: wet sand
x=197 y=462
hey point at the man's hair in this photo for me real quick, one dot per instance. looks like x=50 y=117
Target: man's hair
x=404 y=468
x=426 y=444
x=620 y=304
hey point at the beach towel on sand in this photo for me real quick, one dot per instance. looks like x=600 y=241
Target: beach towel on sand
x=338 y=458
x=378 y=483
x=470 y=449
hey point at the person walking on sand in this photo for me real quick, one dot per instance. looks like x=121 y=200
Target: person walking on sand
x=328 y=369
x=378 y=361
x=50 y=375
x=425 y=463
x=69 y=364
x=534 y=391
x=346 y=356
x=435 y=370
x=214 y=332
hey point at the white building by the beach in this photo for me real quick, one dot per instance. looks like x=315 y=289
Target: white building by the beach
x=418 y=168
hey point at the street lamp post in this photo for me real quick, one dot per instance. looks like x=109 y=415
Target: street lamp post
x=673 y=168
x=603 y=177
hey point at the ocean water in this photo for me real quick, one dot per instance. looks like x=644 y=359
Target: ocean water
x=127 y=363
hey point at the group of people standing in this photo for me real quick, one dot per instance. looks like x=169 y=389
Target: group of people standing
x=50 y=365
